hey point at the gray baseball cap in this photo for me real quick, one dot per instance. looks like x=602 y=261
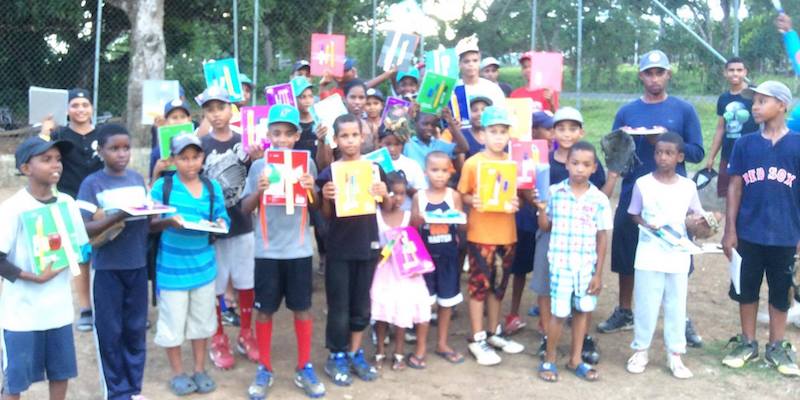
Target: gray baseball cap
x=181 y=142
x=770 y=88
x=654 y=59
x=567 y=114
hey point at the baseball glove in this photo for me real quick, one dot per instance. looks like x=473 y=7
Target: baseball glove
x=620 y=152
x=703 y=225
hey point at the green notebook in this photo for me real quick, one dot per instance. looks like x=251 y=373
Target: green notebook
x=165 y=135
x=435 y=92
x=52 y=234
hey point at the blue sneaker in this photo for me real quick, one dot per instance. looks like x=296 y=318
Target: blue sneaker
x=306 y=379
x=338 y=369
x=533 y=311
x=259 y=389
x=361 y=367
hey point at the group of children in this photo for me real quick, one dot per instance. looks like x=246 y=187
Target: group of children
x=266 y=255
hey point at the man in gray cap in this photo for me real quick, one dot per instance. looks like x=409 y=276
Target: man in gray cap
x=655 y=109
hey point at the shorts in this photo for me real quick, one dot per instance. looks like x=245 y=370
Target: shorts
x=444 y=283
x=523 y=255
x=758 y=260
x=624 y=239
x=564 y=296
x=185 y=315
x=485 y=262
x=723 y=179
x=279 y=279
x=235 y=262
x=540 y=283
x=31 y=356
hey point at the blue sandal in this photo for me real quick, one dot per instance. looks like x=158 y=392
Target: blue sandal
x=204 y=382
x=548 y=368
x=182 y=385
x=585 y=371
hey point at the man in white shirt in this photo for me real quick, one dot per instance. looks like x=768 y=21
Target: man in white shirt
x=469 y=62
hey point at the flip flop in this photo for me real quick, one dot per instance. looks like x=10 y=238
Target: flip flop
x=453 y=357
x=415 y=362
x=546 y=367
x=583 y=371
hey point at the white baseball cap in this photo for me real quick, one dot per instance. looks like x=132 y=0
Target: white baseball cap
x=489 y=61
x=567 y=114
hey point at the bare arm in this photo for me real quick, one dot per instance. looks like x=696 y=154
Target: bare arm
x=96 y=227
x=716 y=143
x=416 y=216
x=611 y=182
x=390 y=74
x=596 y=284
x=541 y=217
x=327 y=195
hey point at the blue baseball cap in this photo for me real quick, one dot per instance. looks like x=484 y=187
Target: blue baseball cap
x=300 y=64
x=412 y=72
x=542 y=119
x=494 y=115
x=284 y=113
x=245 y=80
x=375 y=92
x=349 y=63
x=654 y=59
x=299 y=84
x=213 y=93
x=174 y=105
x=35 y=145
x=179 y=143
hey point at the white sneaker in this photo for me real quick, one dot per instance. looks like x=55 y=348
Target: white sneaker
x=675 y=365
x=482 y=352
x=507 y=345
x=638 y=362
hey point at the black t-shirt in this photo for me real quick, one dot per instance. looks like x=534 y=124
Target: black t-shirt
x=226 y=162
x=79 y=162
x=738 y=115
x=308 y=140
x=351 y=238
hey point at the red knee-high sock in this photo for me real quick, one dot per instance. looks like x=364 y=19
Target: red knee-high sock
x=246 y=299
x=220 y=331
x=302 y=330
x=264 y=338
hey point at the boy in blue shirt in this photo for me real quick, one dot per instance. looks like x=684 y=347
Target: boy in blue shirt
x=119 y=284
x=186 y=265
x=425 y=141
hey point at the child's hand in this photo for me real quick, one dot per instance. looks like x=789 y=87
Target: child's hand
x=595 y=285
x=176 y=221
x=306 y=181
x=784 y=23
x=329 y=191
x=161 y=166
x=221 y=223
x=322 y=131
x=47 y=273
x=263 y=184
x=514 y=204
x=729 y=242
x=476 y=202
x=48 y=125
x=159 y=121
x=378 y=189
x=547 y=94
x=255 y=151
x=540 y=205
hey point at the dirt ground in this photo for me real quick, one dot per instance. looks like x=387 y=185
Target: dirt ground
x=714 y=315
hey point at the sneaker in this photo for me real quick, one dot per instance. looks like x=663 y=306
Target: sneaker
x=542 y=348
x=246 y=345
x=85 y=321
x=675 y=365
x=590 y=354
x=638 y=362
x=338 y=369
x=410 y=336
x=483 y=353
x=743 y=352
x=307 y=380
x=620 y=320
x=230 y=318
x=533 y=311
x=220 y=352
x=259 y=388
x=692 y=338
x=783 y=356
x=513 y=324
x=499 y=341
x=361 y=367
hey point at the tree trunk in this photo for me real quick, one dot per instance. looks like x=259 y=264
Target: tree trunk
x=148 y=56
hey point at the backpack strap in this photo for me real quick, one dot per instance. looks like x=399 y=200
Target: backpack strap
x=166 y=189
x=210 y=188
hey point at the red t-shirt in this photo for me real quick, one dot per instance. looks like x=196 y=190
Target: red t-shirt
x=331 y=92
x=537 y=95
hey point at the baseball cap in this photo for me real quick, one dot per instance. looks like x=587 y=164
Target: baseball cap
x=494 y=115
x=525 y=56
x=542 y=119
x=213 y=93
x=654 y=59
x=411 y=73
x=375 y=92
x=284 y=113
x=35 y=145
x=349 y=63
x=179 y=143
x=477 y=98
x=299 y=84
x=174 y=105
x=466 y=45
x=245 y=80
x=300 y=64
x=567 y=114
x=703 y=177
x=489 y=61
x=78 y=93
x=770 y=88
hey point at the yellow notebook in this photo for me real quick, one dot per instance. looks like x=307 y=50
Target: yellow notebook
x=353 y=180
x=497 y=185
x=521 y=111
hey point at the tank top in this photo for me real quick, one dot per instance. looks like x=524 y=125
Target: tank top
x=438 y=237
x=383 y=227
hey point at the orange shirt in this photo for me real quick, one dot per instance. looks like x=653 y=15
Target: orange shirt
x=485 y=227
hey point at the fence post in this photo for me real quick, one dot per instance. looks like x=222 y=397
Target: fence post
x=533 y=25
x=374 y=35
x=736 y=28
x=578 y=64
x=96 y=84
x=235 y=13
x=256 y=23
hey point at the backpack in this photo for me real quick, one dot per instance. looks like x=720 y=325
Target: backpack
x=154 y=239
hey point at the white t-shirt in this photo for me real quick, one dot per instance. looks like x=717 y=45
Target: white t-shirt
x=414 y=176
x=663 y=204
x=487 y=88
x=27 y=306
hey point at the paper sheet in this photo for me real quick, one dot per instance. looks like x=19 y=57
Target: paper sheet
x=735 y=268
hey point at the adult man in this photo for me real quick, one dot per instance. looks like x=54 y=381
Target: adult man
x=543 y=99
x=469 y=61
x=654 y=109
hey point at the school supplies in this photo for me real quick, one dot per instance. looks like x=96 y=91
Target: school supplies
x=547 y=70
x=205 y=226
x=284 y=169
x=408 y=253
x=167 y=132
x=353 y=180
x=670 y=239
x=54 y=235
x=442 y=61
x=654 y=130
x=521 y=112
x=224 y=74
x=396 y=120
x=778 y=6
x=327 y=54
x=43 y=102
x=450 y=216
x=280 y=94
x=255 y=123
x=325 y=113
x=435 y=92
x=398 y=50
x=382 y=158
x=155 y=95
x=497 y=185
x=459 y=105
x=735 y=270
x=149 y=208
x=530 y=156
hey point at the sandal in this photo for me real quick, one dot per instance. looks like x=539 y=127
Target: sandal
x=585 y=371
x=415 y=362
x=379 y=359
x=453 y=357
x=204 y=382
x=548 y=372
x=182 y=385
x=398 y=363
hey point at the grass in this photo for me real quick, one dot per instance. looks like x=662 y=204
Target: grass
x=714 y=351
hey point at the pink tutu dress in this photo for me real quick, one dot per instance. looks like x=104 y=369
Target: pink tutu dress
x=396 y=299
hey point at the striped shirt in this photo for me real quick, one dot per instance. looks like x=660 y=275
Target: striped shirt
x=186 y=259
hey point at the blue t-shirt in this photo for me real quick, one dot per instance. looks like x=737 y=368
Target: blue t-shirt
x=768 y=212
x=416 y=150
x=674 y=114
x=185 y=257
x=474 y=146
x=101 y=191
